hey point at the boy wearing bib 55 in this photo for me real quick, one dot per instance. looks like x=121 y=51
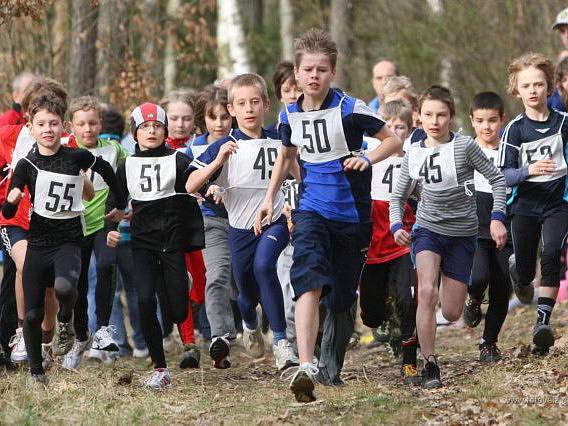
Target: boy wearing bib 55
x=444 y=236
x=51 y=172
x=332 y=222
x=533 y=159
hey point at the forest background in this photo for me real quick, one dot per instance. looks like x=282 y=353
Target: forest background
x=128 y=51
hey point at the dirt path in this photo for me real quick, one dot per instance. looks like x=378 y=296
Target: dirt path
x=521 y=389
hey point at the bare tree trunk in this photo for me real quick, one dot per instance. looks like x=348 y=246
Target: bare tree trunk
x=104 y=40
x=233 y=55
x=83 y=60
x=170 y=66
x=341 y=31
x=286 y=22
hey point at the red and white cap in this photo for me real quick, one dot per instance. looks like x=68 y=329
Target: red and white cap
x=149 y=112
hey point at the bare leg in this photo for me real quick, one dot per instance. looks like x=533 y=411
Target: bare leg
x=428 y=271
x=307 y=324
x=452 y=295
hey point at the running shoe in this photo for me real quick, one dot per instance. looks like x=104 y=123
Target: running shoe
x=410 y=375
x=303 y=381
x=103 y=339
x=489 y=352
x=524 y=293
x=63 y=339
x=169 y=343
x=543 y=339
x=253 y=342
x=104 y=357
x=431 y=374
x=140 y=353
x=381 y=334
x=46 y=355
x=160 y=379
x=472 y=312
x=190 y=356
x=284 y=355
x=219 y=351
x=19 y=353
x=73 y=358
x=38 y=381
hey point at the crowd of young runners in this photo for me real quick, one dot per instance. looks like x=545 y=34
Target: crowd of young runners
x=203 y=215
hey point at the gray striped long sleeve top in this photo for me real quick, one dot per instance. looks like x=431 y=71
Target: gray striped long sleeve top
x=452 y=211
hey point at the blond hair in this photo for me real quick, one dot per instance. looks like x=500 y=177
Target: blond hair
x=186 y=96
x=398 y=83
x=396 y=109
x=84 y=103
x=530 y=59
x=248 y=80
x=315 y=41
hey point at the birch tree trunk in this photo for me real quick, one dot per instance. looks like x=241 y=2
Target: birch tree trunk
x=83 y=60
x=286 y=22
x=233 y=55
x=341 y=20
x=170 y=67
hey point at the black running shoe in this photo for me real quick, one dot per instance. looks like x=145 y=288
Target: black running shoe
x=431 y=374
x=543 y=339
x=489 y=352
x=219 y=352
x=472 y=312
x=524 y=293
x=190 y=357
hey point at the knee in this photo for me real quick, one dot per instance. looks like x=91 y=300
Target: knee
x=179 y=313
x=64 y=289
x=452 y=313
x=34 y=316
x=264 y=267
x=427 y=295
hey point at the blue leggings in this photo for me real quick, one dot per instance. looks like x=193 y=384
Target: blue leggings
x=254 y=270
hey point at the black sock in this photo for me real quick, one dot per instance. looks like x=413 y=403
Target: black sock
x=409 y=348
x=47 y=336
x=544 y=309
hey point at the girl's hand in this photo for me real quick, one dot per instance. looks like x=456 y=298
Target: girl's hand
x=356 y=163
x=113 y=238
x=498 y=233
x=542 y=167
x=14 y=196
x=216 y=192
x=115 y=215
x=226 y=150
x=402 y=238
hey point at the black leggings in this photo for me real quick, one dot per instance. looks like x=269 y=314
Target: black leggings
x=380 y=281
x=8 y=314
x=526 y=232
x=153 y=269
x=491 y=268
x=46 y=267
x=106 y=283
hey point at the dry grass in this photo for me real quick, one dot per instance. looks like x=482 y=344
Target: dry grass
x=519 y=390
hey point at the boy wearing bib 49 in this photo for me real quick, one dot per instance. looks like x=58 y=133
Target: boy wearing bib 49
x=52 y=175
x=239 y=166
x=332 y=222
x=533 y=159
x=444 y=236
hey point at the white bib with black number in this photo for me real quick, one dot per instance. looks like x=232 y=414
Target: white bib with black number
x=385 y=176
x=551 y=147
x=435 y=167
x=24 y=143
x=110 y=155
x=57 y=195
x=482 y=184
x=151 y=178
x=251 y=166
x=319 y=135
x=291 y=190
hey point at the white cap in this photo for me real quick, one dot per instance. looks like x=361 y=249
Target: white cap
x=561 y=19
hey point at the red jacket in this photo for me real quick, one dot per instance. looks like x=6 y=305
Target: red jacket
x=12 y=116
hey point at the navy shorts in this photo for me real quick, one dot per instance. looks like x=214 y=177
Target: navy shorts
x=328 y=255
x=456 y=252
x=11 y=235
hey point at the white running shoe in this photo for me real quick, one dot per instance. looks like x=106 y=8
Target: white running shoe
x=73 y=358
x=253 y=341
x=284 y=355
x=47 y=355
x=140 y=353
x=169 y=343
x=19 y=353
x=159 y=379
x=303 y=381
x=102 y=356
x=104 y=340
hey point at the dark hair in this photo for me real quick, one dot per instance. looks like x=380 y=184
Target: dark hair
x=47 y=102
x=112 y=120
x=43 y=86
x=284 y=71
x=206 y=101
x=561 y=71
x=487 y=100
x=438 y=93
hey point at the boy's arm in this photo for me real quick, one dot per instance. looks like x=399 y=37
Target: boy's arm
x=15 y=192
x=203 y=168
x=399 y=196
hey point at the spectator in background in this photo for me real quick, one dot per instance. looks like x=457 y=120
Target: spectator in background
x=561 y=24
x=14 y=115
x=381 y=70
x=558 y=99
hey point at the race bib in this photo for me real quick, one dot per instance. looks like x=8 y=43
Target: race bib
x=251 y=166
x=435 y=167
x=58 y=196
x=385 y=176
x=24 y=143
x=110 y=155
x=151 y=178
x=550 y=147
x=291 y=190
x=482 y=184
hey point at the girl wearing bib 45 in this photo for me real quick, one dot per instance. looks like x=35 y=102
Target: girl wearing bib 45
x=166 y=223
x=52 y=175
x=533 y=159
x=444 y=236
x=239 y=167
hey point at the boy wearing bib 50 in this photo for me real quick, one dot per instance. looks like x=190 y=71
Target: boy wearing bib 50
x=240 y=166
x=332 y=222
x=533 y=159
x=444 y=236
x=52 y=175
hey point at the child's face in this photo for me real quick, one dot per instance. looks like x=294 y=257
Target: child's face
x=563 y=33
x=436 y=119
x=86 y=126
x=290 y=91
x=150 y=134
x=563 y=85
x=46 y=128
x=314 y=75
x=487 y=124
x=218 y=122
x=248 y=107
x=399 y=127
x=532 y=87
x=181 y=120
